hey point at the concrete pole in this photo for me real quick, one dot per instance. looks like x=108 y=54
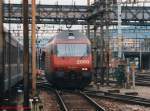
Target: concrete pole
x=140 y=55
x=9 y=51
x=133 y=75
x=2 y=56
x=88 y=26
x=33 y=48
x=1 y=24
x=26 y=54
x=107 y=36
x=102 y=61
x=119 y=29
x=88 y=2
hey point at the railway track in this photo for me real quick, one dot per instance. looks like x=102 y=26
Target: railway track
x=88 y=100
x=77 y=101
x=125 y=98
x=71 y=100
x=143 y=79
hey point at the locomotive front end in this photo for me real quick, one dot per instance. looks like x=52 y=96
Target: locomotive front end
x=73 y=64
x=71 y=60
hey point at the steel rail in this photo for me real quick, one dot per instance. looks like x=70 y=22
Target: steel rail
x=119 y=95
x=93 y=102
x=124 y=98
x=57 y=93
x=61 y=101
x=82 y=94
x=143 y=79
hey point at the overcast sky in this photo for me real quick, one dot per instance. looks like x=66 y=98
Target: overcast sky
x=66 y=2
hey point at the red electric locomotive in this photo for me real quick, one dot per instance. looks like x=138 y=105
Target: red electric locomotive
x=68 y=60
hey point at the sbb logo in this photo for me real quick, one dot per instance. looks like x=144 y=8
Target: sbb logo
x=83 y=61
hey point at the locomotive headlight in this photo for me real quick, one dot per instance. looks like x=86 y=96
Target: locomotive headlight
x=84 y=69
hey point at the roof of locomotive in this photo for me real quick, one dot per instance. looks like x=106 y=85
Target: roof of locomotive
x=71 y=35
x=66 y=33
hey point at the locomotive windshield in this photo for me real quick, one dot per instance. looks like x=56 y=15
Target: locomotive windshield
x=72 y=50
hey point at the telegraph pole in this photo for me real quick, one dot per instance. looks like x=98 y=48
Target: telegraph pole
x=88 y=2
x=102 y=47
x=88 y=26
x=107 y=35
x=2 y=56
x=1 y=23
x=9 y=52
x=26 y=54
x=119 y=29
x=33 y=48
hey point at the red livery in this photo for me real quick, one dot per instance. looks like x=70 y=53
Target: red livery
x=68 y=60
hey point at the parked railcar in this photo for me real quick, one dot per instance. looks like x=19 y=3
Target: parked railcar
x=68 y=60
x=11 y=62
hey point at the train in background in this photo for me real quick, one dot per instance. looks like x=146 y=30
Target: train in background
x=68 y=60
x=11 y=62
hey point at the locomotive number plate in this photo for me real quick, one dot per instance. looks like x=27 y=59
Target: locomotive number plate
x=83 y=61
